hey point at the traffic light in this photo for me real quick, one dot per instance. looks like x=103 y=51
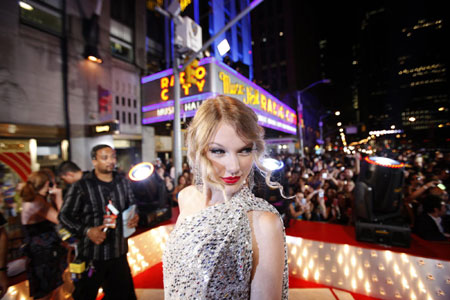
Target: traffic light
x=190 y=72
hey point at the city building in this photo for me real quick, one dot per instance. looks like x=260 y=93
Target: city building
x=401 y=69
x=70 y=78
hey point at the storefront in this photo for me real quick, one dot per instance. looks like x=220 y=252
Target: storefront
x=213 y=78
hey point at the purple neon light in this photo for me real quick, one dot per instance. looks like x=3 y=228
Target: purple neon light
x=243 y=78
x=182 y=101
x=156 y=76
x=169 y=72
x=204 y=96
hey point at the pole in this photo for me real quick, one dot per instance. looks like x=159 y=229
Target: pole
x=321 y=133
x=177 y=157
x=251 y=6
x=300 y=114
x=65 y=74
x=176 y=74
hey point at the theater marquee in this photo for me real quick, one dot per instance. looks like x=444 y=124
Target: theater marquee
x=213 y=78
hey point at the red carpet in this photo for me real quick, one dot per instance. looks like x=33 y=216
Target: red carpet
x=152 y=278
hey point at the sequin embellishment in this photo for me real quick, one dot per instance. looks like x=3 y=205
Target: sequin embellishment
x=209 y=255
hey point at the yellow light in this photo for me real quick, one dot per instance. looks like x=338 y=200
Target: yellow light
x=374 y=278
x=320 y=245
x=340 y=259
x=311 y=264
x=421 y=287
x=354 y=283
x=366 y=264
x=299 y=261
x=380 y=267
x=333 y=269
x=316 y=275
x=397 y=295
x=389 y=281
x=412 y=271
x=95 y=59
x=339 y=124
x=373 y=253
x=327 y=257
x=359 y=251
x=294 y=250
x=396 y=269
x=353 y=261
x=305 y=273
x=25 y=6
x=441 y=108
x=367 y=287
x=405 y=283
x=382 y=292
x=388 y=255
x=441 y=125
x=413 y=296
x=346 y=271
x=305 y=252
x=404 y=258
x=360 y=273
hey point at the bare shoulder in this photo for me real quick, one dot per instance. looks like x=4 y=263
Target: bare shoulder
x=189 y=199
x=265 y=222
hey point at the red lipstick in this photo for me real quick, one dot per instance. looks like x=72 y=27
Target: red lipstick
x=231 y=179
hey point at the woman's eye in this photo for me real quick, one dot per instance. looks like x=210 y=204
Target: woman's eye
x=246 y=150
x=217 y=151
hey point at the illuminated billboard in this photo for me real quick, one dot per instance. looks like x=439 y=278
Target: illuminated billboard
x=212 y=78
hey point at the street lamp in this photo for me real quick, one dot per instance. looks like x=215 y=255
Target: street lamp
x=300 y=110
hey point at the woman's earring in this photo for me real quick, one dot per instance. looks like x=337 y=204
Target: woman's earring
x=251 y=179
x=197 y=177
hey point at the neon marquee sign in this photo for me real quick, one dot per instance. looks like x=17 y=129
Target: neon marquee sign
x=213 y=78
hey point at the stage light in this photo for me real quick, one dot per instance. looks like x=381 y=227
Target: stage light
x=272 y=164
x=141 y=171
x=384 y=162
x=223 y=47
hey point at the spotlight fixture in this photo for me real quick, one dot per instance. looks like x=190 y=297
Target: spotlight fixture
x=141 y=171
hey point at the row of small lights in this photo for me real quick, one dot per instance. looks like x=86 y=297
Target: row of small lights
x=349 y=262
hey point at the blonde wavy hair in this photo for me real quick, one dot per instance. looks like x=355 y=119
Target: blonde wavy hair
x=204 y=126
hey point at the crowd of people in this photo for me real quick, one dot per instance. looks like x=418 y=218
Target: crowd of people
x=311 y=188
x=323 y=186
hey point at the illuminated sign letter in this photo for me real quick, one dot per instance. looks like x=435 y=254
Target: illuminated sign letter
x=226 y=82
x=263 y=102
x=200 y=73
x=252 y=97
x=186 y=88
x=164 y=94
x=269 y=106
x=164 y=83
x=200 y=85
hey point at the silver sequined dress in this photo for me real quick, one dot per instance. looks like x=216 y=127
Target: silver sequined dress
x=209 y=255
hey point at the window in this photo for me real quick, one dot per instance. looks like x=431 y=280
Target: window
x=121 y=41
x=117 y=115
x=123 y=101
x=45 y=15
x=134 y=103
x=117 y=100
x=124 y=117
x=129 y=118
x=129 y=102
x=135 y=119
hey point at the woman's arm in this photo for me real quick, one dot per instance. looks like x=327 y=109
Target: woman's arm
x=294 y=213
x=268 y=256
x=47 y=211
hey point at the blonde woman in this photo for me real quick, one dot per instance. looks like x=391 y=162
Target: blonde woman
x=226 y=243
